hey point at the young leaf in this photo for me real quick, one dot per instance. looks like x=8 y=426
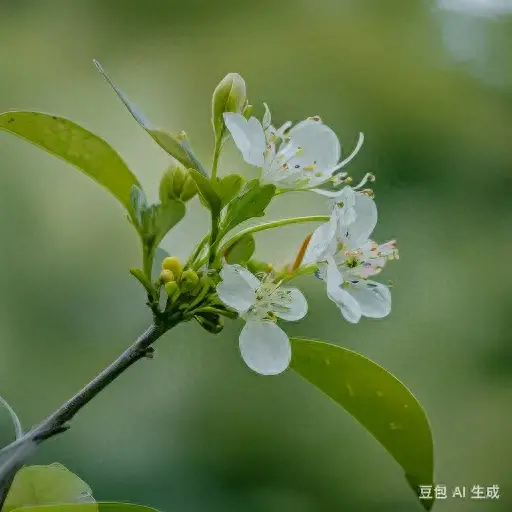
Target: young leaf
x=139 y=203
x=46 y=485
x=376 y=399
x=166 y=217
x=241 y=251
x=177 y=147
x=89 y=507
x=228 y=187
x=252 y=202
x=207 y=193
x=143 y=280
x=77 y=146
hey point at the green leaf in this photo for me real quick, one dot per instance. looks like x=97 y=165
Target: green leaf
x=166 y=217
x=252 y=202
x=77 y=146
x=139 y=203
x=90 y=507
x=228 y=187
x=241 y=251
x=18 y=429
x=46 y=485
x=143 y=280
x=178 y=147
x=207 y=193
x=376 y=399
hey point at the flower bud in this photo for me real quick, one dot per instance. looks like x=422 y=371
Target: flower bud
x=167 y=276
x=173 y=264
x=170 y=288
x=189 y=279
x=229 y=96
x=210 y=322
x=176 y=183
x=256 y=267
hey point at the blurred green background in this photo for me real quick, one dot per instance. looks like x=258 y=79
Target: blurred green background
x=429 y=84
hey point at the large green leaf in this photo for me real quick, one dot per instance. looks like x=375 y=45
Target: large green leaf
x=77 y=146
x=106 y=506
x=46 y=485
x=376 y=399
x=178 y=146
x=251 y=202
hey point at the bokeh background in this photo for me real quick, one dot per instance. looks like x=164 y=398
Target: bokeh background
x=430 y=85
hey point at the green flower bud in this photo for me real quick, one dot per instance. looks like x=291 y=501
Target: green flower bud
x=167 y=276
x=189 y=279
x=229 y=96
x=176 y=183
x=170 y=288
x=256 y=266
x=210 y=322
x=173 y=264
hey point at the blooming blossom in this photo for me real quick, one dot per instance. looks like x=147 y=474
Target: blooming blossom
x=264 y=346
x=291 y=157
x=347 y=257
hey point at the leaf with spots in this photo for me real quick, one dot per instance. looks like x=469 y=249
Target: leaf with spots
x=46 y=485
x=101 y=506
x=376 y=399
x=77 y=146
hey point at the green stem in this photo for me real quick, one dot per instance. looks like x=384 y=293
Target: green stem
x=197 y=250
x=147 y=261
x=216 y=154
x=271 y=225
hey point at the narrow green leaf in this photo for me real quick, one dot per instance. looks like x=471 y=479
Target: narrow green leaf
x=241 y=251
x=178 y=147
x=207 y=193
x=18 y=429
x=143 y=280
x=251 y=202
x=228 y=187
x=46 y=485
x=376 y=399
x=106 y=506
x=77 y=146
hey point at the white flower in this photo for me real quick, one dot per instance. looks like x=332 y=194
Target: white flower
x=301 y=157
x=347 y=257
x=263 y=344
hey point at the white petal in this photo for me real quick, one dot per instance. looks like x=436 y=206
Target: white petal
x=349 y=307
x=320 y=240
x=248 y=136
x=360 y=229
x=237 y=287
x=320 y=146
x=265 y=347
x=289 y=304
x=374 y=298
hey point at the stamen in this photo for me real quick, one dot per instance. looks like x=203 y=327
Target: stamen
x=367 y=177
x=353 y=154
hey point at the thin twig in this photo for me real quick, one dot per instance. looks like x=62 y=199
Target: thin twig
x=16 y=453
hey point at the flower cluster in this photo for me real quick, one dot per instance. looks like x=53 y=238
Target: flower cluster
x=305 y=157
